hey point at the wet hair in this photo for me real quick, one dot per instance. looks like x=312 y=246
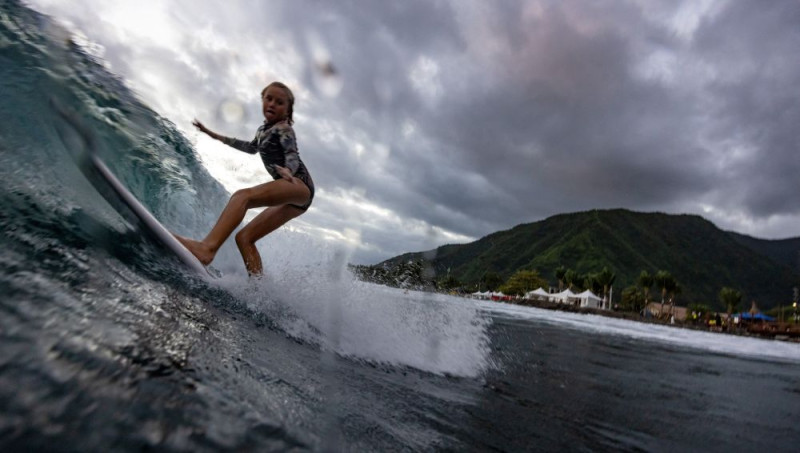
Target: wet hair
x=289 y=95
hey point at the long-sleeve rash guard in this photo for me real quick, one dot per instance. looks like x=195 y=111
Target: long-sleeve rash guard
x=277 y=145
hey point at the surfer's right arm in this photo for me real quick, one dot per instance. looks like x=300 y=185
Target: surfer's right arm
x=241 y=145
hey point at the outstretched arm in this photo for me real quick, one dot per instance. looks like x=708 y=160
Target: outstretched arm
x=202 y=128
x=241 y=145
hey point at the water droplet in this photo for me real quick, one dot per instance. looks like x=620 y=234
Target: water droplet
x=231 y=111
x=324 y=74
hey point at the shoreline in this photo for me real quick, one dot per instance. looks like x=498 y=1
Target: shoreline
x=760 y=330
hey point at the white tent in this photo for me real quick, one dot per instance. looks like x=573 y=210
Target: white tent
x=538 y=293
x=588 y=299
x=564 y=297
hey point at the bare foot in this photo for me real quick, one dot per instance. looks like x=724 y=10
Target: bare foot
x=201 y=251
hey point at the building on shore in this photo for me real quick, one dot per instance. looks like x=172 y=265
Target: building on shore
x=657 y=309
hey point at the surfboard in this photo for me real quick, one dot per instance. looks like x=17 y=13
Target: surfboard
x=118 y=196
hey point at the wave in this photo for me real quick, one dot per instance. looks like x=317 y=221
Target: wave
x=52 y=215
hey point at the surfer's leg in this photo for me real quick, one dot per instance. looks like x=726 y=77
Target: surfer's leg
x=266 y=222
x=273 y=193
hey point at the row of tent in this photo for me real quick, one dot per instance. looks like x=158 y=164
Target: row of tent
x=585 y=299
x=490 y=295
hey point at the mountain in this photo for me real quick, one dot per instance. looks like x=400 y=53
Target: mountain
x=702 y=257
x=783 y=251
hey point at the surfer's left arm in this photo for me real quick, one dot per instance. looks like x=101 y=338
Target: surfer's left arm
x=285 y=174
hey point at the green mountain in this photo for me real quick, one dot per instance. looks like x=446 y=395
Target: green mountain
x=783 y=251
x=700 y=256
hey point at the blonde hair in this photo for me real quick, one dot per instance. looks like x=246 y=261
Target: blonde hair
x=289 y=95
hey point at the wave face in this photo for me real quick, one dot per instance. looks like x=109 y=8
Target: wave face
x=106 y=340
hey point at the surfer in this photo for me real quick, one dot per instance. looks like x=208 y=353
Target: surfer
x=288 y=196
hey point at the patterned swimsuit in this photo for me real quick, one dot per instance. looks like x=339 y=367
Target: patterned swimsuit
x=277 y=145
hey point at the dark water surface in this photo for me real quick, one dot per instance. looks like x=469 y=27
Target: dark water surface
x=107 y=345
x=570 y=389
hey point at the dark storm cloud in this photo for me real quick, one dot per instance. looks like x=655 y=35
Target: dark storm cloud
x=557 y=122
x=549 y=112
x=566 y=122
x=756 y=103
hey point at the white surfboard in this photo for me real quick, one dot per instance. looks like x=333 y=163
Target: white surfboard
x=120 y=198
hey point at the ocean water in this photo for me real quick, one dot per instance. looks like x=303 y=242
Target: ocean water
x=107 y=344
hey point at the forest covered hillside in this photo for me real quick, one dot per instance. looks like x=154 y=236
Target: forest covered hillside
x=701 y=257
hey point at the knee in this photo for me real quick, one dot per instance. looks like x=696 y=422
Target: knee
x=241 y=197
x=243 y=239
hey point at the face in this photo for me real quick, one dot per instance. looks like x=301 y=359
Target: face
x=275 y=104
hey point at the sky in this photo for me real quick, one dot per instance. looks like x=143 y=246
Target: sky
x=427 y=122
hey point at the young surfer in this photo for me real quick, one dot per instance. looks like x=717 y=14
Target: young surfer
x=288 y=196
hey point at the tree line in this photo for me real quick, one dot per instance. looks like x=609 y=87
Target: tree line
x=418 y=274
x=636 y=297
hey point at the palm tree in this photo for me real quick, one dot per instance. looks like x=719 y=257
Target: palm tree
x=663 y=280
x=730 y=298
x=560 y=272
x=606 y=279
x=646 y=282
x=580 y=282
x=674 y=289
x=593 y=283
x=632 y=299
x=571 y=278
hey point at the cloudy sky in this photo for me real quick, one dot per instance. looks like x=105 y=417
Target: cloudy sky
x=428 y=122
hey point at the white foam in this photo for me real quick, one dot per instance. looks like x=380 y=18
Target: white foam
x=694 y=339
x=309 y=292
